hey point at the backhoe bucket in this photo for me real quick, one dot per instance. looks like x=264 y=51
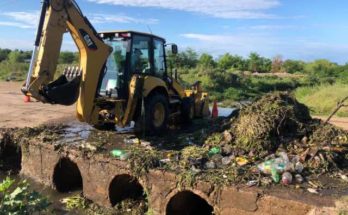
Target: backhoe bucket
x=65 y=90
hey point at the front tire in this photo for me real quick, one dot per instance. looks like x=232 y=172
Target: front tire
x=156 y=113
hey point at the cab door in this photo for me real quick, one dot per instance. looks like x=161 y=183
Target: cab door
x=140 y=62
x=159 y=58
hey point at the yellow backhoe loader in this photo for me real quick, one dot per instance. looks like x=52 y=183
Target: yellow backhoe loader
x=123 y=75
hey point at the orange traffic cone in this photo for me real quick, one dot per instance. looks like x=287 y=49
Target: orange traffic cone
x=215 y=111
x=26 y=99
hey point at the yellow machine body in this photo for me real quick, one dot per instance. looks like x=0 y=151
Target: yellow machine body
x=156 y=95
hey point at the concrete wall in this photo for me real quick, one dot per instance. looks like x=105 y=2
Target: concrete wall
x=98 y=171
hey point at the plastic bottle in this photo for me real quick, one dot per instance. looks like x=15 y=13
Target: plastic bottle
x=299 y=167
x=120 y=154
x=274 y=167
x=299 y=178
x=275 y=175
x=132 y=141
x=213 y=151
x=286 y=178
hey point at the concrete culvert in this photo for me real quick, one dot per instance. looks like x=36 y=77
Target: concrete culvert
x=125 y=187
x=67 y=176
x=188 y=203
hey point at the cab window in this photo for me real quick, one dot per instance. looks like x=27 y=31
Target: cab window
x=159 y=62
x=140 y=56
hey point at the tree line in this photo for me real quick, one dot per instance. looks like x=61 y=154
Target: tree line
x=19 y=56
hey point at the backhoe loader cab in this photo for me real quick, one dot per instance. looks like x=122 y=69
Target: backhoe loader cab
x=136 y=72
x=133 y=53
x=122 y=76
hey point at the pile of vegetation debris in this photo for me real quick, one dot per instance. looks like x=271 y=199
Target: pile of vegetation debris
x=273 y=140
x=276 y=136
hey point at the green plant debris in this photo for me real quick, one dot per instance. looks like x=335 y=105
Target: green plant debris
x=193 y=156
x=19 y=200
x=269 y=121
x=75 y=202
x=141 y=160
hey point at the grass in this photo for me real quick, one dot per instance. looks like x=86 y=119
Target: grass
x=16 y=71
x=322 y=99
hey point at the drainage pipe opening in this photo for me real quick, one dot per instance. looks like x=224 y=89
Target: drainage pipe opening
x=125 y=187
x=10 y=155
x=186 y=202
x=67 y=176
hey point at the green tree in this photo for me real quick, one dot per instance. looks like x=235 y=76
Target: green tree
x=228 y=61
x=67 y=57
x=266 y=65
x=293 y=66
x=206 y=60
x=16 y=57
x=322 y=68
x=255 y=62
x=4 y=54
x=187 y=59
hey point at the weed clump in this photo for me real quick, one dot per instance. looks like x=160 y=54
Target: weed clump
x=140 y=160
x=266 y=123
x=193 y=155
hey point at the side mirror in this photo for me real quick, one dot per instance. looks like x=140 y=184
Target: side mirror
x=174 y=49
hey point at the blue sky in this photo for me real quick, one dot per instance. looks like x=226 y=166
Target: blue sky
x=306 y=29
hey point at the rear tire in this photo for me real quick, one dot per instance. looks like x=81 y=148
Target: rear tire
x=156 y=113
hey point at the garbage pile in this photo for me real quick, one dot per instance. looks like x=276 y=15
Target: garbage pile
x=274 y=140
x=276 y=137
x=272 y=120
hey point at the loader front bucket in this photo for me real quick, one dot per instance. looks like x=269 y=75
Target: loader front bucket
x=65 y=90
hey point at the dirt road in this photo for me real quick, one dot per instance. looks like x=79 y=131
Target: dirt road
x=14 y=112
x=338 y=121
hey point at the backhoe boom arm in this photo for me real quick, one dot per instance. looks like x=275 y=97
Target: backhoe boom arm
x=58 y=17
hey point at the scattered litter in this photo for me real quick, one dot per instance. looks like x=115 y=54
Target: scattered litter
x=120 y=154
x=343 y=177
x=252 y=183
x=241 y=161
x=227 y=160
x=299 y=179
x=124 y=130
x=213 y=151
x=210 y=165
x=88 y=146
x=311 y=190
x=286 y=178
x=299 y=167
x=131 y=140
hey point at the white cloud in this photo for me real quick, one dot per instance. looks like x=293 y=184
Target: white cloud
x=16 y=44
x=267 y=45
x=238 y=9
x=272 y=27
x=108 y=18
x=14 y=24
x=21 y=19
